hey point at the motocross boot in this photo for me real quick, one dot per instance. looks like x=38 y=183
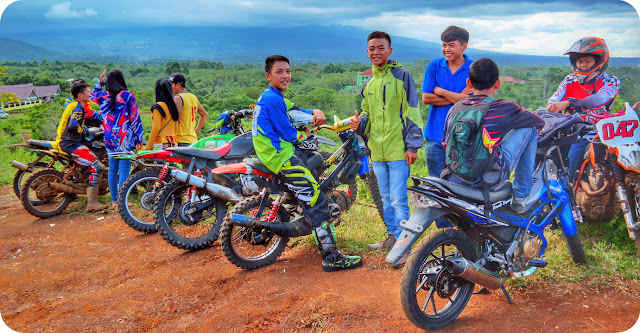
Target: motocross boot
x=332 y=259
x=93 y=205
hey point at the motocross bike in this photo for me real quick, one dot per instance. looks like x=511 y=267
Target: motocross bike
x=259 y=227
x=44 y=158
x=150 y=174
x=48 y=191
x=609 y=177
x=442 y=270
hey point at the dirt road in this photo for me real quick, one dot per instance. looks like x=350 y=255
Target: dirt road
x=92 y=273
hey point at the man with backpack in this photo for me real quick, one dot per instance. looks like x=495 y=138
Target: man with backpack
x=482 y=132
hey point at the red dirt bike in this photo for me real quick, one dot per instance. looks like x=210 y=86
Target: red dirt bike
x=609 y=177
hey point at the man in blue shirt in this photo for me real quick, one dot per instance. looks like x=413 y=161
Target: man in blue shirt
x=445 y=83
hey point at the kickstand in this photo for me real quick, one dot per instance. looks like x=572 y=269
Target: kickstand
x=506 y=295
x=483 y=291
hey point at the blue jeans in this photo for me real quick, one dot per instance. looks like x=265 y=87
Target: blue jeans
x=519 y=151
x=576 y=153
x=392 y=180
x=119 y=171
x=435 y=156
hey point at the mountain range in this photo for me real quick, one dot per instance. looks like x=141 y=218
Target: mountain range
x=321 y=44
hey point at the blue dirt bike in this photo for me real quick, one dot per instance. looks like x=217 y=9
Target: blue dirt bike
x=442 y=270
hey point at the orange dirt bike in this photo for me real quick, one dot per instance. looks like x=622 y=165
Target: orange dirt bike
x=608 y=180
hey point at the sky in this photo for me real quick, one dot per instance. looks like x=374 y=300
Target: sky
x=535 y=27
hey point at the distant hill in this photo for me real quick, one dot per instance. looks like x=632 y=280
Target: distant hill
x=321 y=44
x=15 y=50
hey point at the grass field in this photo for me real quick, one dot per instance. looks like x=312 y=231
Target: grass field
x=610 y=253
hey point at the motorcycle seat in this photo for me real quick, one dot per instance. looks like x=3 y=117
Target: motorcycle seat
x=41 y=143
x=256 y=164
x=500 y=193
x=195 y=152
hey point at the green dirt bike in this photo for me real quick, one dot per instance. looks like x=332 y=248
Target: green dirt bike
x=150 y=173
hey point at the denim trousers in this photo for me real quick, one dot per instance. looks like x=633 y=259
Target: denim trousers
x=119 y=171
x=435 y=156
x=392 y=180
x=519 y=150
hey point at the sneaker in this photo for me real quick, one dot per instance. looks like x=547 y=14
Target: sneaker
x=403 y=260
x=518 y=205
x=385 y=244
x=341 y=261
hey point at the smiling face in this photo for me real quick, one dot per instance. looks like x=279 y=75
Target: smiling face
x=379 y=51
x=280 y=75
x=453 y=50
x=585 y=63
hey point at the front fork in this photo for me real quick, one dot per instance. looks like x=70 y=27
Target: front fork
x=621 y=193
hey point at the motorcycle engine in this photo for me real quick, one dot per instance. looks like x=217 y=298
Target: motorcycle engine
x=597 y=207
x=530 y=250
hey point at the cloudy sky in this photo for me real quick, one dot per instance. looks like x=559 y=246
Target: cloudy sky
x=537 y=27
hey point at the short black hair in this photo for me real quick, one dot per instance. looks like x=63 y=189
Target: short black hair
x=78 y=86
x=483 y=74
x=268 y=63
x=379 y=34
x=453 y=32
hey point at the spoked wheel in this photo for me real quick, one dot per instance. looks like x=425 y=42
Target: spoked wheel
x=431 y=296
x=21 y=176
x=632 y=181
x=136 y=198
x=39 y=199
x=188 y=224
x=252 y=248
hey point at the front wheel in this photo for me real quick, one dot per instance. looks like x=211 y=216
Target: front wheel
x=431 y=296
x=371 y=183
x=36 y=189
x=576 y=250
x=189 y=224
x=136 y=198
x=252 y=248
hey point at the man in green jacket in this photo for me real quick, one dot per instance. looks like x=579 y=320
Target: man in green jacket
x=391 y=118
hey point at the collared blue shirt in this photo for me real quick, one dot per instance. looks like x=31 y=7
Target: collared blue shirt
x=438 y=74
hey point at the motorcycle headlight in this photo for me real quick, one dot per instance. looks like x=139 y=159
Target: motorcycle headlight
x=422 y=201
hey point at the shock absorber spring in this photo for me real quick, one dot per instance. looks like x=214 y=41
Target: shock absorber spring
x=161 y=176
x=273 y=210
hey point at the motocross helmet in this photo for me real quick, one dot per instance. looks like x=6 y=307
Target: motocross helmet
x=594 y=46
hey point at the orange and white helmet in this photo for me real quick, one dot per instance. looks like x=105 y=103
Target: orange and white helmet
x=594 y=46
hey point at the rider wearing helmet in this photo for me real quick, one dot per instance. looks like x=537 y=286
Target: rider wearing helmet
x=588 y=87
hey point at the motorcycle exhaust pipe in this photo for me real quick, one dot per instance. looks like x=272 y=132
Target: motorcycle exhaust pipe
x=295 y=228
x=470 y=271
x=66 y=188
x=20 y=166
x=216 y=190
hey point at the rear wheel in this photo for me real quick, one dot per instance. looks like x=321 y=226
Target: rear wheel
x=21 y=176
x=431 y=296
x=136 y=198
x=252 y=248
x=188 y=224
x=36 y=189
x=371 y=183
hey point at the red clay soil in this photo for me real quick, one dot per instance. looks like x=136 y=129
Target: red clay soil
x=92 y=273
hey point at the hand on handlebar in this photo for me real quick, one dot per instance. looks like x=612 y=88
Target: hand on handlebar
x=558 y=106
x=318 y=118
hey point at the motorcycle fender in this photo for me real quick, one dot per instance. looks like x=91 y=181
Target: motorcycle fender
x=567 y=221
x=419 y=221
x=326 y=141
